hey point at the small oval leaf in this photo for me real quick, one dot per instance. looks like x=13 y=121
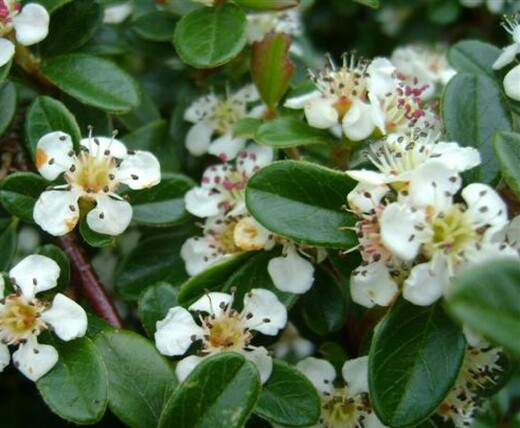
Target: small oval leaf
x=19 y=192
x=288 y=132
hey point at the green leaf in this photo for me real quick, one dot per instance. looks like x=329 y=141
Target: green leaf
x=212 y=278
x=487 y=299
x=157 y=26
x=95 y=239
x=76 y=388
x=141 y=115
x=48 y=115
x=61 y=258
x=473 y=109
x=323 y=306
x=246 y=128
x=87 y=117
x=414 y=360
x=19 y=192
x=268 y=4
x=288 y=132
x=220 y=392
x=154 y=259
x=7 y=242
x=140 y=380
x=507 y=150
x=370 y=3
x=72 y=26
x=7 y=104
x=302 y=202
x=211 y=36
x=94 y=81
x=474 y=56
x=52 y=5
x=289 y=398
x=271 y=67
x=154 y=304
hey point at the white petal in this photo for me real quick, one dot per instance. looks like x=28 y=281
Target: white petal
x=2 y=286
x=4 y=356
x=139 y=170
x=263 y=305
x=512 y=83
x=506 y=57
x=364 y=198
x=67 y=318
x=291 y=273
x=381 y=80
x=198 y=254
x=117 y=13
x=198 y=138
x=367 y=176
x=250 y=235
x=31 y=24
x=174 y=333
x=186 y=366
x=6 y=51
x=247 y=94
x=203 y=202
x=485 y=206
x=226 y=147
x=512 y=233
x=34 y=274
x=424 y=286
x=109 y=216
x=104 y=147
x=262 y=360
x=321 y=373
x=200 y=108
x=253 y=158
x=57 y=211
x=357 y=123
x=399 y=233
x=300 y=101
x=355 y=373
x=373 y=284
x=320 y=113
x=35 y=360
x=212 y=303
x=52 y=154
x=456 y=157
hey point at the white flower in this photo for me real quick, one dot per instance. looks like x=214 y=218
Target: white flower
x=259 y=24
x=92 y=176
x=291 y=343
x=512 y=83
x=117 y=13
x=30 y=23
x=214 y=119
x=221 y=328
x=347 y=406
x=494 y=6
x=512 y=26
x=23 y=317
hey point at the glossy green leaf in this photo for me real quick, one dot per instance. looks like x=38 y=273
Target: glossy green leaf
x=302 y=202
x=287 y=132
x=7 y=242
x=268 y=4
x=487 y=299
x=271 y=67
x=473 y=109
x=473 y=56
x=220 y=392
x=414 y=360
x=61 y=258
x=212 y=278
x=19 y=192
x=289 y=398
x=72 y=26
x=370 y=3
x=154 y=304
x=76 y=388
x=157 y=26
x=507 y=150
x=323 y=307
x=7 y=104
x=95 y=239
x=94 y=81
x=211 y=36
x=140 y=380
x=247 y=127
x=48 y=115
x=141 y=115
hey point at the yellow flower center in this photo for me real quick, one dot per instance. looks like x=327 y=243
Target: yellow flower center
x=20 y=319
x=339 y=411
x=226 y=113
x=225 y=332
x=92 y=174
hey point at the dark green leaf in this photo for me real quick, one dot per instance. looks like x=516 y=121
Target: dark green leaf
x=302 y=202
x=414 y=360
x=142 y=115
x=154 y=304
x=52 y=5
x=247 y=127
x=211 y=36
x=288 y=398
x=370 y=3
x=4 y=70
x=7 y=242
x=94 y=81
x=7 y=104
x=19 y=192
x=287 y=132
x=140 y=380
x=474 y=56
x=156 y=26
x=268 y=4
x=76 y=388
x=87 y=117
x=473 y=109
x=220 y=392
x=487 y=299
x=507 y=150
x=61 y=258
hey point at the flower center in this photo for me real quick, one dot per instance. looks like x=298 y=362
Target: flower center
x=225 y=332
x=20 y=319
x=92 y=174
x=8 y=9
x=339 y=411
x=228 y=112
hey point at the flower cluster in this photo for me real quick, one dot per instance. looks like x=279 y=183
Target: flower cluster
x=508 y=55
x=93 y=176
x=259 y=24
x=23 y=317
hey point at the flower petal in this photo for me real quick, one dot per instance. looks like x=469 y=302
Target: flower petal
x=250 y=235
x=198 y=138
x=456 y=157
x=424 y=285
x=57 y=211
x=300 y=101
x=247 y=94
x=34 y=274
x=110 y=216
x=34 y=359
x=212 y=303
x=355 y=373
x=358 y=123
x=373 y=285
x=53 y=154
x=4 y=356
x=186 y=366
x=226 y=147
x=485 y=207
x=203 y=202
x=174 y=333
x=321 y=373
x=67 y=318
x=31 y=24
x=263 y=312
x=291 y=272
x=253 y=158
x=117 y=13
x=381 y=81
x=6 y=51
x=320 y=113
x=512 y=83
x=262 y=360
x=506 y=57
x=201 y=108
x=104 y=147
x=198 y=254
x=139 y=170
x=366 y=197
